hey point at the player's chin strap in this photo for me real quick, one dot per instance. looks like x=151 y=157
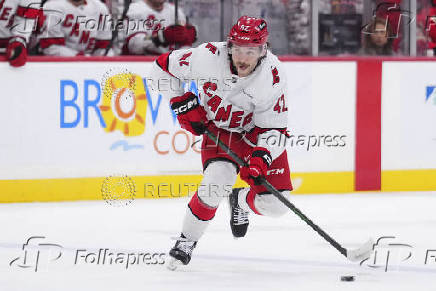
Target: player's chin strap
x=359 y=254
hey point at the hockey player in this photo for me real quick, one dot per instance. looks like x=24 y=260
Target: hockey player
x=17 y=21
x=243 y=92
x=426 y=20
x=75 y=27
x=151 y=28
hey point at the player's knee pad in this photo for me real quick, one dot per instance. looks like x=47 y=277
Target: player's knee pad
x=217 y=183
x=269 y=205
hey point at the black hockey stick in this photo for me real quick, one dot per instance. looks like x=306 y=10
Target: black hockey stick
x=115 y=31
x=359 y=254
x=176 y=17
x=176 y=11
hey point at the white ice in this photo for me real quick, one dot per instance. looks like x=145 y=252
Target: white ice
x=277 y=253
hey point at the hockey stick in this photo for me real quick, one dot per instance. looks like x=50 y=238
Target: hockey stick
x=176 y=18
x=115 y=31
x=359 y=254
x=176 y=11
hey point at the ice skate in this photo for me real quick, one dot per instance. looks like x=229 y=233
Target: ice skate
x=181 y=253
x=238 y=216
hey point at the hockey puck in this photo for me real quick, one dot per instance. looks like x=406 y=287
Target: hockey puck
x=347 y=278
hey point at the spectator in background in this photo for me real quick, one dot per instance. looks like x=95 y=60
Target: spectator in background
x=343 y=6
x=431 y=35
x=75 y=27
x=376 y=40
x=390 y=10
x=17 y=22
x=299 y=30
x=426 y=29
x=157 y=30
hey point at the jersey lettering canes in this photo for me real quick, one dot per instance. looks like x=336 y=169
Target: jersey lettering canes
x=71 y=30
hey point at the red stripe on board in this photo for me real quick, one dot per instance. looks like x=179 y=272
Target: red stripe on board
x=47 y=59
x=282 y=58
x=368 y=125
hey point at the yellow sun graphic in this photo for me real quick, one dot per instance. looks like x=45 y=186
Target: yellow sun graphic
x=124 y=104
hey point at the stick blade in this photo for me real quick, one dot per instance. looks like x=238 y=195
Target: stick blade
x=361 y=253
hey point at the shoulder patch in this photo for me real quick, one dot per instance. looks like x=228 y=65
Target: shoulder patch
x=275 y=74
x=211 y=48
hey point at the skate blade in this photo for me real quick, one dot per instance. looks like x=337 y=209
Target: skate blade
x=173 y=264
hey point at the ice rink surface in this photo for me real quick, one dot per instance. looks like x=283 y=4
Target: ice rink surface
x=64 y=240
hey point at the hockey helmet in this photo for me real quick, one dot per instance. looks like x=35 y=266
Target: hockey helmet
x=249 y=31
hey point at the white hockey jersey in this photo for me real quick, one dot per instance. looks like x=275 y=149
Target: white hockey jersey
x=142 y=21
x=70 y=30
x=237 y=104
x=17 y=19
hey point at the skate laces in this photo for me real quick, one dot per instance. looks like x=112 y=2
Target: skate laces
x=184 y=244
x=240 y=216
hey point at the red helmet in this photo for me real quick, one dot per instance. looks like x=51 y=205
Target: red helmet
x=249 y=31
